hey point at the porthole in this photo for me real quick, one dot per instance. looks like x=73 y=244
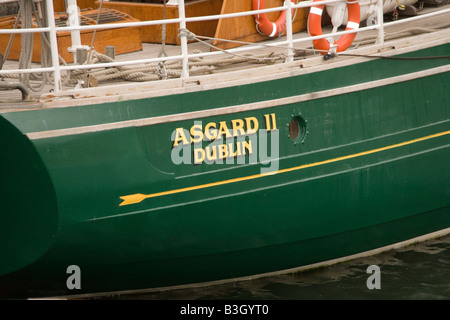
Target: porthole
x=297 y=129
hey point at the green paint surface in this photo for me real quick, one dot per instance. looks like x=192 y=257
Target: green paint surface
x=62 y=195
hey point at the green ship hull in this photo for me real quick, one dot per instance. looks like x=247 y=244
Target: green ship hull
x=143 y=193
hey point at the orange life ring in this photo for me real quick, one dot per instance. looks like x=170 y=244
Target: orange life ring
x=267 y=27
x=315 y=26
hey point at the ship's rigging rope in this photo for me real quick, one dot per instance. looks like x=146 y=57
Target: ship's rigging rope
x=364 y=40
x=27 y=9
x=11 y=38
x=26 y=40
x=162 y=72
x=197 y=65
x=25 y=14
x=143 y=72
x=167 y=69
x=149 y=72
x=95 y=30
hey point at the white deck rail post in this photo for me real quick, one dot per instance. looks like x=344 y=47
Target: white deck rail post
x=74 y=21
x=380 y=22
x=183 y=39
x=289 y=37
x=54 y=46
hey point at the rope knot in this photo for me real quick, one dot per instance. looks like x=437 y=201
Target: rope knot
x=183 y=32
x=162 y=71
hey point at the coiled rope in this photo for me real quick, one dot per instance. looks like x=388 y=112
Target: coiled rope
x=151 y=71
x=197 y=65
x=27 y=9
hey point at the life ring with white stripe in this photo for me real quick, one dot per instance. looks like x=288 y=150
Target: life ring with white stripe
x=267 y=27
x=315 y=27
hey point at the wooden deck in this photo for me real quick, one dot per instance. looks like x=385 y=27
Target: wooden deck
x=152 y=50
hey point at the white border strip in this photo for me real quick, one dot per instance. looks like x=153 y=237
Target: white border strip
x=315 y=10
x=237 y=108
x=352 y=25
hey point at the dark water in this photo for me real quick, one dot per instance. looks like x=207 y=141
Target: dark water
x=417 y=272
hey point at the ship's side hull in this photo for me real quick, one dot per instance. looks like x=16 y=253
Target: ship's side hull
x=344 y=160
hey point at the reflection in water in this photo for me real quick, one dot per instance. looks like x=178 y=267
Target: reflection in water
x=420 y=272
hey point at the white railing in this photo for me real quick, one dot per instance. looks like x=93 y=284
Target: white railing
x=182 y=20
